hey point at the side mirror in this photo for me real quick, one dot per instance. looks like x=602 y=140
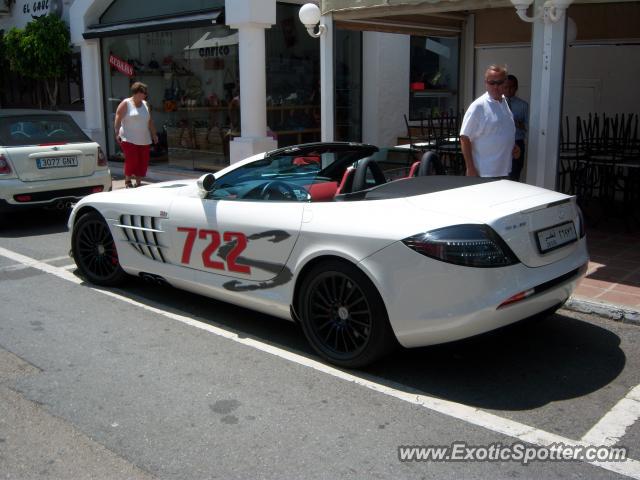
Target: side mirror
x=205 y=184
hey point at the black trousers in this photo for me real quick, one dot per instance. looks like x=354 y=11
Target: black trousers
x=517 y=163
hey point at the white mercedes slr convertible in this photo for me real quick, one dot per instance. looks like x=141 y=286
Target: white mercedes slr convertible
x=319 y=234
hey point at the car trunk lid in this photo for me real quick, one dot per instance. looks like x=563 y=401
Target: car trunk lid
x=540 y=226
x=52 y=162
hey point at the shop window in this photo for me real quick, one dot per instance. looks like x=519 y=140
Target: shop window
x=293 y=79
x=434 y=67
x=192 y=77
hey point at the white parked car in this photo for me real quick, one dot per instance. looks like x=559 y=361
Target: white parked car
x=46 y=160
x=316 y=234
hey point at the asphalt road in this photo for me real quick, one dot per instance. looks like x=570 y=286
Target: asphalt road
x=151 y=382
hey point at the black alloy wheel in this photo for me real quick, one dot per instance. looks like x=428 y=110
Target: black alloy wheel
x=94 y=251
x=343 y=315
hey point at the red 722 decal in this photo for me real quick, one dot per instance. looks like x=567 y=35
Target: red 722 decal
x=237 y=238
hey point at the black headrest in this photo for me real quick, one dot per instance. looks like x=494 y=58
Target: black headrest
x=360 y=178
x=430 y=160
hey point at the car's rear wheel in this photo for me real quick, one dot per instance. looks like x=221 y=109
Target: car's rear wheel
x=343 y=315
x=94 y=251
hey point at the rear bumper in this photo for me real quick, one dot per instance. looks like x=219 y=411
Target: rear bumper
x=431 y=302
x=51 y=192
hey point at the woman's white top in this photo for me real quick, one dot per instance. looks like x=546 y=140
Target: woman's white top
x=135 y=124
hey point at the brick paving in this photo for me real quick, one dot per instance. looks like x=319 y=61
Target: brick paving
x=614 y=268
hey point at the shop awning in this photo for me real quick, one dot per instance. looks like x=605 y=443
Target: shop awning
x=153 y=24
x=377 y=7
x=438 y=18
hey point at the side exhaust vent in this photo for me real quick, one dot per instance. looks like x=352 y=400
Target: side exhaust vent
x=142 y=234
x=152 y=278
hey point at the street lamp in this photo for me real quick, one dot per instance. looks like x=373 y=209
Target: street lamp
x=310 y=16
x=551 y=12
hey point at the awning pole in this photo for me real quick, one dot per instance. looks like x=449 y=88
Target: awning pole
x=327 y=110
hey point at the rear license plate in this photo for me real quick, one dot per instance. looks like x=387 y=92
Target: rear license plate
x=57 y=162
x=555 y=237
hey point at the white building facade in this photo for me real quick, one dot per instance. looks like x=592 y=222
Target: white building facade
x=236 y=77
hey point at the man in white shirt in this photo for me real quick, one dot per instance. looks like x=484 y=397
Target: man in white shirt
x=487 y=135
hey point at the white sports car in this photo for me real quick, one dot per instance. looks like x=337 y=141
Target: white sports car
x=316 y=234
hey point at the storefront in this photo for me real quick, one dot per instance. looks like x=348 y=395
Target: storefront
x=190 y=60
x=572 y=65
x=192 y=77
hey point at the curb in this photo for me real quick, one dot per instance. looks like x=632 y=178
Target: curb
x=617 y=313
x=159 y=174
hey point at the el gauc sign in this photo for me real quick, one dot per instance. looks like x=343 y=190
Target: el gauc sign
x=42 y=7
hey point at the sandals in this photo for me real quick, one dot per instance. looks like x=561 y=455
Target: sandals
x=128 y=184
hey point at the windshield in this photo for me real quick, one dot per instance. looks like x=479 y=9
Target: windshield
x=21 y=130
x=305 y=175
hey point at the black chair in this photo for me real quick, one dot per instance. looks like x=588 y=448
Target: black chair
x=572 y=174
x=448 y=145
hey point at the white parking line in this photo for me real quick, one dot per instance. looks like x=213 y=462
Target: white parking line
x=471 y=415
x=55 y=259
x=22 y=266
x=612 y=427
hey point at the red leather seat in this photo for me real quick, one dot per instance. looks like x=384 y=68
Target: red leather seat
x=322 y=192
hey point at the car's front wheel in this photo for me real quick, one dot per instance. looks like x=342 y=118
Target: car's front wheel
x=343 y=315
x=94 y=251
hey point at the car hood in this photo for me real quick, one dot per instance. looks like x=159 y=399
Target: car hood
x=516 y=211
x=151 y=200
x=154 y=191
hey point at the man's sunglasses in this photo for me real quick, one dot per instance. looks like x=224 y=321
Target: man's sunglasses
x=495 y=82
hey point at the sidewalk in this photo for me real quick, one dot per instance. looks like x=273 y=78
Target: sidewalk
x=155 y=173
x=611 y=288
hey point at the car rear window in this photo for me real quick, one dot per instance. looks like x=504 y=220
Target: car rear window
x=22 y=130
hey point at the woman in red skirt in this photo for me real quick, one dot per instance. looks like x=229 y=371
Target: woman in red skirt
x=134 y=132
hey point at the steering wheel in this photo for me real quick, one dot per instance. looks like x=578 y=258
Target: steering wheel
x=282 y=191
x=57 y=131
x=20 y=134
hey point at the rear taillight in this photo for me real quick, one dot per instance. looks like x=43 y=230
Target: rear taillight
x=5 y=168
x=470 y=245
x=102 y=159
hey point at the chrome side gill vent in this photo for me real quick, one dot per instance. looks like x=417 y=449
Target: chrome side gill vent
x=142 y=234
